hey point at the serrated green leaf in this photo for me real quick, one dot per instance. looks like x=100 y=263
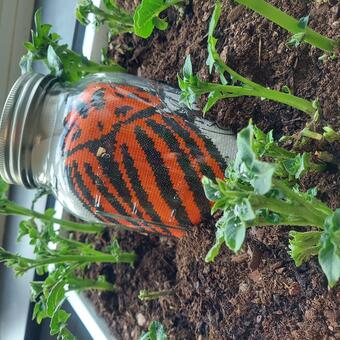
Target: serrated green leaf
x=304 y=245
x=55 y=298
x=146 y=13
x=58 y=321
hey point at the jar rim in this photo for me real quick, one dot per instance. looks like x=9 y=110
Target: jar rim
x=20 y=100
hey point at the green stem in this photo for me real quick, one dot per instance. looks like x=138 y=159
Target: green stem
x=316 y=209
x=81 y=259
x=311 y=134
x=288 y=99
x=84 y=284
x=10 y=208
x=290 y=24
x=261 y=92
x=299 y=212
x=145 y=295
x=261 y=222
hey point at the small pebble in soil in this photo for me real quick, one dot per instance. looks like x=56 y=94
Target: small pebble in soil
x=243 y=287
x=140 y=319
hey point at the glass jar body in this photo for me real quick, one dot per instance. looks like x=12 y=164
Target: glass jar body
x=122 y=150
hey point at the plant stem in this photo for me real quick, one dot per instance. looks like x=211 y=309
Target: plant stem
x=83 y=284
x=80 y=259
x=10 y=208
x=301 y=212
x=311 y=134
x=262 y=92
x=316 y=209
x=290 y=24
x=146 y=295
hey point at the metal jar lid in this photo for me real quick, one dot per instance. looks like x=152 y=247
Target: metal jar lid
x=15 y=123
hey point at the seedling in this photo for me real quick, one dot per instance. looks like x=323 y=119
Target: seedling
x=232 y=84
x=146 y=295
x=142 y=22
x=259 y=193
x=63 y=263
x=60 y=60
x=114 y=16
x=156 y=331
x=299 y=28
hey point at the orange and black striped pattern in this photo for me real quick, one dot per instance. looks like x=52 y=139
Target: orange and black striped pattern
x=131 y=163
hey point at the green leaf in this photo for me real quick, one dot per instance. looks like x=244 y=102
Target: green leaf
x=304 y=245
x=39 y=312
x=147 y=15
x=257 y=172
x=215 y=249
x=58 y=321
x=298 y=165
x=156 y=331
x=286 y=89
x=54 y=63
x=329 y=260
x=245 y=154
x=187 y=67
x=303 y=22
x=211 y=189
x=55 y=298
x=263 y=175
x=213 y=98
x=161 y=24
x=26 y=62
x=214 y=18
x=296 y=39
x=329 y=255
x=234 y=230
x=330 y=135
x=30 y=228
x=36 y=289
x=244 y=211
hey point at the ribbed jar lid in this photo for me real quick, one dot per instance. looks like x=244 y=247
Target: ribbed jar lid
x=12 y=124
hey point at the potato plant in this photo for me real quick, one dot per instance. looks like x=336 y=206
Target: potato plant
x=142 y=22
x=232 y=83
x=62 y=62
x=58 y=258
x=258 y=193
x=299 y=28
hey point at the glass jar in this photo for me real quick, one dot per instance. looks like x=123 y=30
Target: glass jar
x=113 y=148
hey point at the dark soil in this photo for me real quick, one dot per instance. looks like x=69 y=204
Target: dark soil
x=258 y=294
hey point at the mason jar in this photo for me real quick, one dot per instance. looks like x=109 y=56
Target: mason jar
x=113 y=148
